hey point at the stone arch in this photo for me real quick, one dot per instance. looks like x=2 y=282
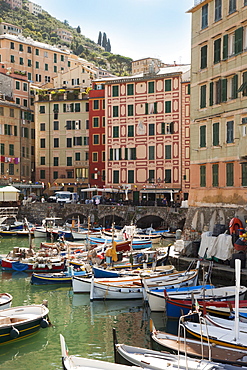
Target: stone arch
x=69 y=217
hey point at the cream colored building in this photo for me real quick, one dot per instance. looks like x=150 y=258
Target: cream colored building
x=80 y=76
x=219 y=102
x=61 y=119
x=64 y=34
x=10 y=28
x=34 y=8
x=144 y=65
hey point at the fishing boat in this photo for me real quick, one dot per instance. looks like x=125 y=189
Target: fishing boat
x=136 y=244
x=112 y=273
x=163 y=341
x=132 y=232
x=225 y=323
x=155 y=360
x=48 y=227
x=71 y=362
x=63 y=278
x=5 y=300
x=22 y=321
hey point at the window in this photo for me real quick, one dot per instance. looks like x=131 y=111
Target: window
x=77 y=107
x=12 y=59
x=244 y=174
x=203 y=136
x=204 y=16
x=36 y=51
x=11 y=149
x=115 y=111
x=95 y=139
x=24 y=86
x=115 y=90
x=21 y=61
x=29 y=49
x=203 y=97
x=151 y=108
x=56 y=142
x=130 y=110
x=2 y=150
x=238 y=43
x=217 y=10
x=95 y=121
x=232 y=6
x=12 y=45
x=42 y=109
x=55 y=175
x=29 y=76
x=130 y=153
x=103 y=139
x=167 y=128
x=55 y=58
x=20 y=47
x=151 y=87
x=151 y=153
x=234 y=87
x=115 y=131
x=55 y=125
x=56 y=161
x=168 y=176
x=168 y=151
x=115 y=177
x=46 y=67
x=42 y=174
x=69 y=142
x=202 y=176
x=11 y=112
x=87 y=107
x=37 y=65
x=86 y=140
x=216 y=133
x=217 y=51
x=168 y=85
x=42 y=127
x=215 y=174
x=1 y=111
x=168 y=107
x=95 y=104
x=55 y=69
x=116 y=154
x=18 y=101
x=204 y=53
x=131 y=176
x=77 y=140
x=224 y=90
x=245 y=2
x=95 y=157
x=69 y=161
x=17 y=85
x=42 y=143
x=151 y=129
x=62 y=58
x=131 y=131
x=229 y=174
x=243 y=87
x=103 y=121
x=78 y=156
x=230 y=132
x=130 y=89
x=225 y=47
x=42 y=161
x=218 y=92
x=29 y=63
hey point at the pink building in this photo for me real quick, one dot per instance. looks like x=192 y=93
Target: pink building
x=147 y=134
x=14 y=3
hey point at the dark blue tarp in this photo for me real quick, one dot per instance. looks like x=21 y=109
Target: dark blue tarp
x=18 y=266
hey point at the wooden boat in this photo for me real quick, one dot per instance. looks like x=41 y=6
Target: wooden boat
x=136 y=244
x=22 y=321
x=155 y=360
x=5 y=300
x=194 y=348
x=111 y=273
x=33 y=264
x=224 y=323
x=47 y=228
x=71 y=362
x=63 y=278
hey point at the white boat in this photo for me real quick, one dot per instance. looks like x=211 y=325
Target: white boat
x=224 y=323
x=5 y=300
x=48 y=227
x=71 y=362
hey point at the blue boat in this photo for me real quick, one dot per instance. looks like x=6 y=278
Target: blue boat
x=136 y=244
x=56 y=278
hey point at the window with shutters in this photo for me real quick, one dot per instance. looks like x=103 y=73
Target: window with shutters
x=216 y=133
x=131 y=177
x=231 y=44
x=225 y=47
x=244 y=174
x=77 y=140
x=234 y=87
x=42 y=127
x=130 y=89
x=229 y=174
x=151 y=152
x=42 y=161
x=151 y=108
x=230 y=132
x=218 y=92
x=69 y=142
x=69 y=161
x=115 y=111
x=203 y=96
x=168 y=151
x=115 y=90
x=96 y=139
x=215 y=174
x=217 y=10
x=232 y=6
x=211 y=94
x=151 y=129
x=167 y=128
x=224 y=90
x=130 y=110
x=42 y=143
x=115 y=132
x=11 y=149
x=168 y=176
x=55 y=161
x=203 y=136
x=217 y=50
x=151 y=87
x=202 y=176
x=168 y=85
x=131 y=131
x=204 y=56
x=56 y=142
x=238 y=44
x=151 y=176
x=115 y=177
x=168 y=107
x=204 y=16
x=95 y=121
x=95 y=104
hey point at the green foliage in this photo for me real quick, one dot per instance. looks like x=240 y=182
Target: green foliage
x=43 y=28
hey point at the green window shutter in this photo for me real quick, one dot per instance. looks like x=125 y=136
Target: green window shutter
x=130 y=110
x=64 y=108
x=168 y=85
x=244 y=174
x=126 y=153
x=168 y=152
x=151 y=87
x=130 y=89
x=134 y=153
x=229 y=174
x=245 y=84
x=146 y=108
x=216 y=134
x=202 y=176
x=204 y=52
x=217 y=47
x=131 y=176
x=225 y=46
x=111 y=154
x=168 y=107
x=155 y=108
x=211 y=94
x=202 y=136
x=238 y=45
x=215 y=175
x=163 y=128
x=203 y=96
x=115 y=91
x=224 y=90
x=235 y=87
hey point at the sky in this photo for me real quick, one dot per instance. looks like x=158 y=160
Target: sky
x=136 y=28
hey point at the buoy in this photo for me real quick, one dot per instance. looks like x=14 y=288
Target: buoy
x=14 y=333
x=44 y=323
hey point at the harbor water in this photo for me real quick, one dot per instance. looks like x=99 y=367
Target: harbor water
x=86 y=326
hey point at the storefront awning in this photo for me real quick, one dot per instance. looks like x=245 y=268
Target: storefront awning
x=159 y=191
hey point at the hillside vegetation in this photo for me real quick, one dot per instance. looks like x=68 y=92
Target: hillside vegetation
x=43 y=28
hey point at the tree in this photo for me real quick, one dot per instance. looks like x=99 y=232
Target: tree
x=78 y=30
x=104 y=41
x=108 y=46
x=100 y=38
x=65 y=22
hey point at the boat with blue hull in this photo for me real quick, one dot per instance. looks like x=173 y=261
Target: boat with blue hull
x=136 y=244
x=63 y=278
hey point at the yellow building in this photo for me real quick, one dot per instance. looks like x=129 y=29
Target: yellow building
x=61 y=121
x=219 y=102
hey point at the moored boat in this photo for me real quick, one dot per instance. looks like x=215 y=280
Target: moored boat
x=63 y=278
x=5 y=300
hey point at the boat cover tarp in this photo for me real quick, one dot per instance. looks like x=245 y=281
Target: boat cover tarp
x=219 y=247
x=18 y=266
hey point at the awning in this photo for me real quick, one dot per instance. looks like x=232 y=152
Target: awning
x=103 y=190
x=159 y=191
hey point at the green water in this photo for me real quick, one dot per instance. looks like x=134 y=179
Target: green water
x=87 y=327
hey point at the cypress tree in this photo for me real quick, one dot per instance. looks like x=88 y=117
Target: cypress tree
x=108 y=46
x=104 y=41
x=78 y=30
x=100 y=38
